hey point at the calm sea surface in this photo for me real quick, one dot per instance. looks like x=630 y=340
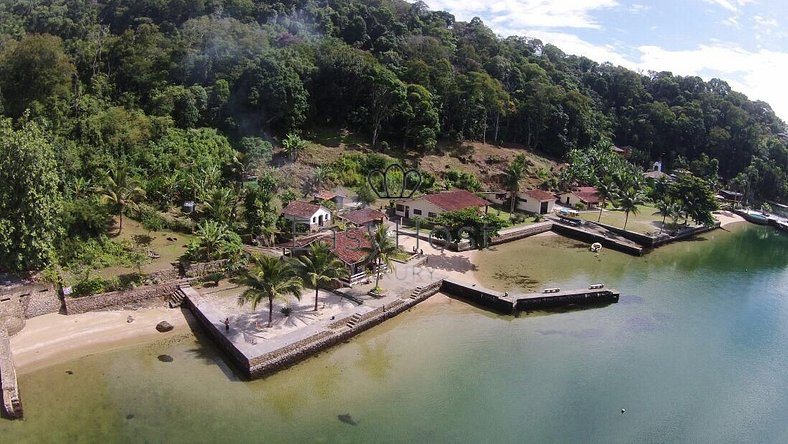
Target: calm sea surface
x=696 y=351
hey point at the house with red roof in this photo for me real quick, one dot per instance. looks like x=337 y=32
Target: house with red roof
x=536 y=201
x=365 y=217
x=431 y=205
x=352 y=248
x=312 y=215
x=581 y=197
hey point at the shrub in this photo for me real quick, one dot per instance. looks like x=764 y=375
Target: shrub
x=286 y=311
x=89 y=286
x=85 y=217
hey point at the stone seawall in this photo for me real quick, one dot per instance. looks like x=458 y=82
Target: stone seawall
x=118 y=298
x=368 y=320
x=254 y=367
x=12 y=405
x=494 y=300
x=517 y=234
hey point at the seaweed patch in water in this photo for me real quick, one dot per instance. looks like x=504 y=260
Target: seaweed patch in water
x=520 y=280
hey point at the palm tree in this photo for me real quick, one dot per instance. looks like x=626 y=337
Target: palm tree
x=666 y=207
x=382 y=248
x=629 y=200
x=270 y=278
x=606 y=189
x=320 y=266
x=514 y=173
x=121 y=191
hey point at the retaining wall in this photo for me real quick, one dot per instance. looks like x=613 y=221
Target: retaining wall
x=113 y=299
x=485 y=297
x=527 y=231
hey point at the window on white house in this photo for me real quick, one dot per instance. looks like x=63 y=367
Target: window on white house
x=314 y=219
x=417 y=212
x=431 y=214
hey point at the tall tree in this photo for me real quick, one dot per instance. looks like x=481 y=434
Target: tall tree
x=121 y=191
x=30 y=200
x=320 y=267
x=381 y=250
x=629 y=199
x=514 y=174
x=270 y=278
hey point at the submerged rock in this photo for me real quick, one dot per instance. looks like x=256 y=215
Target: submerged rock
x=164 y=326
x=347 y=419
x=165 y=358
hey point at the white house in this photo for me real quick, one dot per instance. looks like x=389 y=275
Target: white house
x=312 y=215
x=586 y=197
x=536 y=201
x=431 y=205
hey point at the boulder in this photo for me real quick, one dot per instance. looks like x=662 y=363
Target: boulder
x=164 y=326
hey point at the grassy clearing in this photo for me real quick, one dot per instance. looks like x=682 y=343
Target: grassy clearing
x=647 y=221
x=144 y=241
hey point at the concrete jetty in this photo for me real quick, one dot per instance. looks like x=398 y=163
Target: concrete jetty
x=12 y=405
x=256 y=356
x=549 y=298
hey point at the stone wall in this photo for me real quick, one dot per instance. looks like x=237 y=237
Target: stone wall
x=118 y=298
x=198 y=269
x=524 y=232
x=484 y=297
x=321 y=342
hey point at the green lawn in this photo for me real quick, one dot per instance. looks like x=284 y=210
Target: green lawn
x=506 y=216
x=647 y=221
x=144 y=241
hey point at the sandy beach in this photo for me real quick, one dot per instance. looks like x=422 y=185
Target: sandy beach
x=727 y=218
x=56 y=338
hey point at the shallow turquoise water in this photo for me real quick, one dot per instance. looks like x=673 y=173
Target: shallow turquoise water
x=695 y=351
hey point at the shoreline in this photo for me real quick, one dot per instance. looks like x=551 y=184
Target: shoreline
x=55 y=338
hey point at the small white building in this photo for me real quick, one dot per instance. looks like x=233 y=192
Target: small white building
x=431 y=205
x=585 y=197
x=313 y=215
x=536 y=201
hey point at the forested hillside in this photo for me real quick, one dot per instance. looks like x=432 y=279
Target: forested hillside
x=182 y=95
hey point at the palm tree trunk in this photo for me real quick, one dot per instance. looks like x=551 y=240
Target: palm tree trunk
x=377 y=272
x=664 y=216
x=600 y=211
x=120 y=223
x=626 y=220
x=315 y=297
x=513 y=204
x=270 y=311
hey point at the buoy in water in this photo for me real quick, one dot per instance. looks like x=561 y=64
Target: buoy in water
x=595 y=247
x=623 y=411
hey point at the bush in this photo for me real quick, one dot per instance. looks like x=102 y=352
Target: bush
x=152 y=221
x=286 y=311
x=85 y=217
x=89 y=286
x=96 y=253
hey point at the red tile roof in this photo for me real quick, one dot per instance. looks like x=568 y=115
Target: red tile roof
x=349 y=246
x=455 y=200
x=363 y=216
x=541 y=196
x=303 y=210
x=325 y=195
x=587 y=194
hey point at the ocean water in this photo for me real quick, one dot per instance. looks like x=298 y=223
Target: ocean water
x=695 y=351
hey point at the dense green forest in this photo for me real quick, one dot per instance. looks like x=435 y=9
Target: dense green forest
x=176 y=98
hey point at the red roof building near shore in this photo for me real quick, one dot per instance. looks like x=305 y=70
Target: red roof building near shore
x=350 y=246
x=587 y=197
x=431 y=205
x=541 y=196
x=588 y=194
x=455 y=200
x=364 y=216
